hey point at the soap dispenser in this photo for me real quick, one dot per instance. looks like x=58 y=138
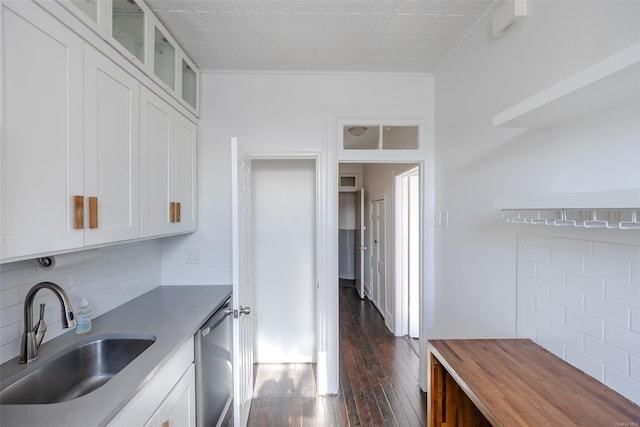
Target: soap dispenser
x=83 y=317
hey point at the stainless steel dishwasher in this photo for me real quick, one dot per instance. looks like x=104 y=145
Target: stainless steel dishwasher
x=214 y=372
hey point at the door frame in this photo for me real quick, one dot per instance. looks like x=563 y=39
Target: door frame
x=401 y=254
x=335 y=118
x=317 y=157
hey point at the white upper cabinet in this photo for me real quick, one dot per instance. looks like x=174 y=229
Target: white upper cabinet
x=71 y=171
x=112 y=149
x=183 y=169
x=42 y=148
x=131 y=28
x=168 y=168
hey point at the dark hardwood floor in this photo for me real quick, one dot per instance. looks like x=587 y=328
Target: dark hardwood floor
x=378 y=379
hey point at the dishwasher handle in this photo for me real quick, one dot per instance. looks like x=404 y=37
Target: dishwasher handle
x=217 y=318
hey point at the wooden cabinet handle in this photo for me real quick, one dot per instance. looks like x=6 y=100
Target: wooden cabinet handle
x=172 y=212
x=78 y=212
x=165 y=424
x=178 y=212
x=93 y=212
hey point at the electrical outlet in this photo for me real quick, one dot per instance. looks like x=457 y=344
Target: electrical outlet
x=443 y=218
x=192 y=256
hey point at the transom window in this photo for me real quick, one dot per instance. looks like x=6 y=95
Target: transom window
x=380 y=137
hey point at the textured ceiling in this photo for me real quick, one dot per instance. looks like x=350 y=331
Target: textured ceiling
x=320 y=35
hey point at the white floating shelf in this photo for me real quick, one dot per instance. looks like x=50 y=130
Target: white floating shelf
x=612 y=81
x=610 y=199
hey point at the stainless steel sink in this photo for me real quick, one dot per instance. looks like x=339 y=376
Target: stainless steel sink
x=79 y=370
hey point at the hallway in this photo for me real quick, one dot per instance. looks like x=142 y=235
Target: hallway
x=378 y=379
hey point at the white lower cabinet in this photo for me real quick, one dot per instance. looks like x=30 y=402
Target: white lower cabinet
x=168 y=399
x=178 y=409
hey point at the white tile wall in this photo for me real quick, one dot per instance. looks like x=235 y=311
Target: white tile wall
x=580 y=300
x=210 y=265
x=119 y=274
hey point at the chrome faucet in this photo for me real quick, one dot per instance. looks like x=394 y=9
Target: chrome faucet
x=32 y=337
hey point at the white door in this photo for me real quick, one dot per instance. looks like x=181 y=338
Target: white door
x=111 y=150
x=377 y=220
x=414 y=255
x=242 y=283
x=360 y=246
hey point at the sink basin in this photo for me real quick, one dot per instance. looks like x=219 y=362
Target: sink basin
x=77 y=371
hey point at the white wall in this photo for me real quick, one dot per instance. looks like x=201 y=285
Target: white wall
x=118 y=275
x=284 y=258
x=476 y=256
x=269 y=113
x=275 y=113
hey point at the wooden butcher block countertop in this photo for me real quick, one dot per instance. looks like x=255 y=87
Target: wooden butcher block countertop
x=515 y=382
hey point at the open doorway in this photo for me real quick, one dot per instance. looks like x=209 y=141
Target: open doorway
x=381 y=202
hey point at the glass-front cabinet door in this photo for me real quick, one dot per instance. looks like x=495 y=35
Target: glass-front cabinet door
x=93 y=13
x=127 y=27
x=189 y=78
x=164 y=58
x=88 y=7
x=131 y=27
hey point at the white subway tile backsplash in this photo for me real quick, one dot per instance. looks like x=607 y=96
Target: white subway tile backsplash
x=587 y=324
x=529 y=300
x=566 y=334
x=568 y=297
x=536 y=319
x=618 y=251
x=585 y=363
x=118 y=275
x=587 y=305
x=9 y=297
x=538 y=254
x=634 y=367
x=623 y=293
x=635 y=321
x=554 y=275
x=607 y=354
x=542 y=241
x=585 y=283
x=623 y=384
x=550 y=309
x=527 y=268
x=537 y=286
x=609 y=267
x=574 y=245
x=552 y=344
x=622 y=338
x=610 y=312
x=570 y=261
x=9 y=333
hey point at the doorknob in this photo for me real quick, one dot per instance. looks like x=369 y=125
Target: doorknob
x=245 y=310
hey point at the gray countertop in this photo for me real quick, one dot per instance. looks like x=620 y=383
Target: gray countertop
x=171 y=313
